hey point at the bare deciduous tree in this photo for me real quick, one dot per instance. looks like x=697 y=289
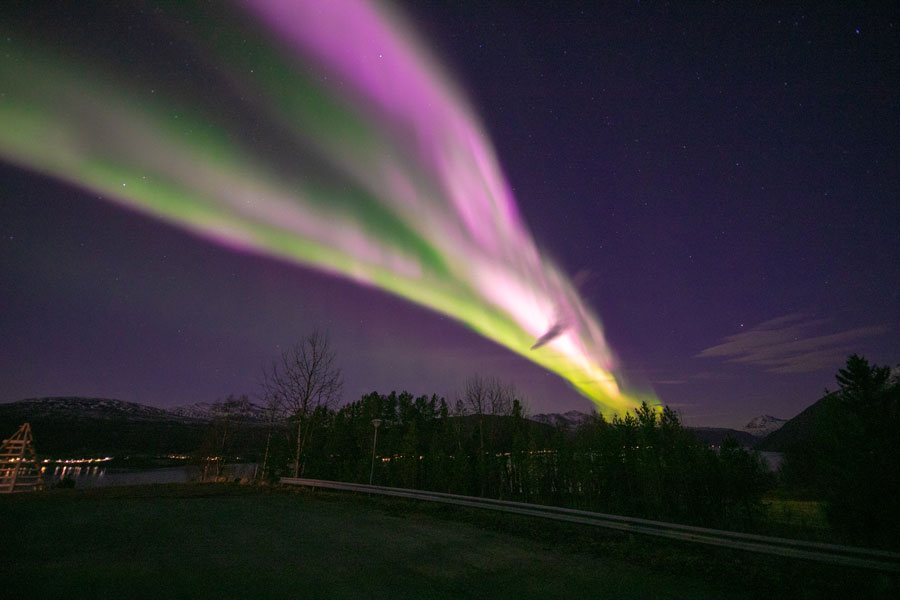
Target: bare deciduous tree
x=229 y=416
x=304 y=378
x=486 y=396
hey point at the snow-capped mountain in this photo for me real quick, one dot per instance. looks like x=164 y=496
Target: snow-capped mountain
x=198 y=410
x=107 y=409
x=713 y=436
x=567 y=420
x=207 y=411
x=763 y=425
x=67 y=426
x=87 y=408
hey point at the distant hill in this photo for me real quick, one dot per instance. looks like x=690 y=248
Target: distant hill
x=85 y=409
x=75 y=427
x=714 y=436
x=798 y=429
x=567 y=420
x=198 y=410
x=208 y=411
x=72 y=427
x=107 y=409
x=763 y=425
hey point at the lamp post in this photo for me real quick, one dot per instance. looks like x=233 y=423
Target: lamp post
x=376 y=423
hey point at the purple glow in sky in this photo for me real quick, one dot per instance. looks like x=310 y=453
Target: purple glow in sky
x=714 y=180
x=375 y=141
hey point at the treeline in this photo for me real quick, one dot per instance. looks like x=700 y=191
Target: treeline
x=57 y=437
x=850 y=456
x=645 y=464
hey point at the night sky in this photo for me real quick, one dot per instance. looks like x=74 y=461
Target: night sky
x=721 y=183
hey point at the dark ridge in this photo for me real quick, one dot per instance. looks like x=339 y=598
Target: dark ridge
x=797 y=430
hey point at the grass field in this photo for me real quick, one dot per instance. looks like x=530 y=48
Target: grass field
x=229 y=541
x=803 y=515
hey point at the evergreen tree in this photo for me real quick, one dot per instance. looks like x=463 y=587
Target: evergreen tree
x=852 y=459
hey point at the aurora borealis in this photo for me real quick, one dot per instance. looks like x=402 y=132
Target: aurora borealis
x=360 y=159
x=713 y=182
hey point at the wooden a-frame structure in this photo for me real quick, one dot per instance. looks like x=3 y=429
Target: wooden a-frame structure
x=19 y=469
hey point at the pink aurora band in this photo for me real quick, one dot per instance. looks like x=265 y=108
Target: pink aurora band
x=432 y=218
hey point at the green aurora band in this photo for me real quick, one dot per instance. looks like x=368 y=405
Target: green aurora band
x=359 y=159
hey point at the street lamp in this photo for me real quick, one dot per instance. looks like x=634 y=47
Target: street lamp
x=376 y=423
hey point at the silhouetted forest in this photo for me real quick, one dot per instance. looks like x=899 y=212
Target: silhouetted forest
x=848 y=454
x=645 y=464
x=842 y=453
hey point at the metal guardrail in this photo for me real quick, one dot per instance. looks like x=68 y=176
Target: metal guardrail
x=848 y=556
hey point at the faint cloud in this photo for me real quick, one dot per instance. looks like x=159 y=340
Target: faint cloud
x=791 y=344
x=705 y=375
x=582 y=277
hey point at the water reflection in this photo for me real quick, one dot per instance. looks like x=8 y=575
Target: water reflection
x=98 y=476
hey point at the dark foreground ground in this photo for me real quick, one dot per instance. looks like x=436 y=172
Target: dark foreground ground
x=229 y=541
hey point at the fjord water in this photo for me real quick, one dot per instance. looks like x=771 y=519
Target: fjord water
x=101 y=476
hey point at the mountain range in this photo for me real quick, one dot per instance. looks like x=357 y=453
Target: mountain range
x=81 y=427
x=70 y=424
x=209 y=411
x=567 y=420
x=750 y=435
x=798 y=429
x=764 y=425
x=79 y=409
